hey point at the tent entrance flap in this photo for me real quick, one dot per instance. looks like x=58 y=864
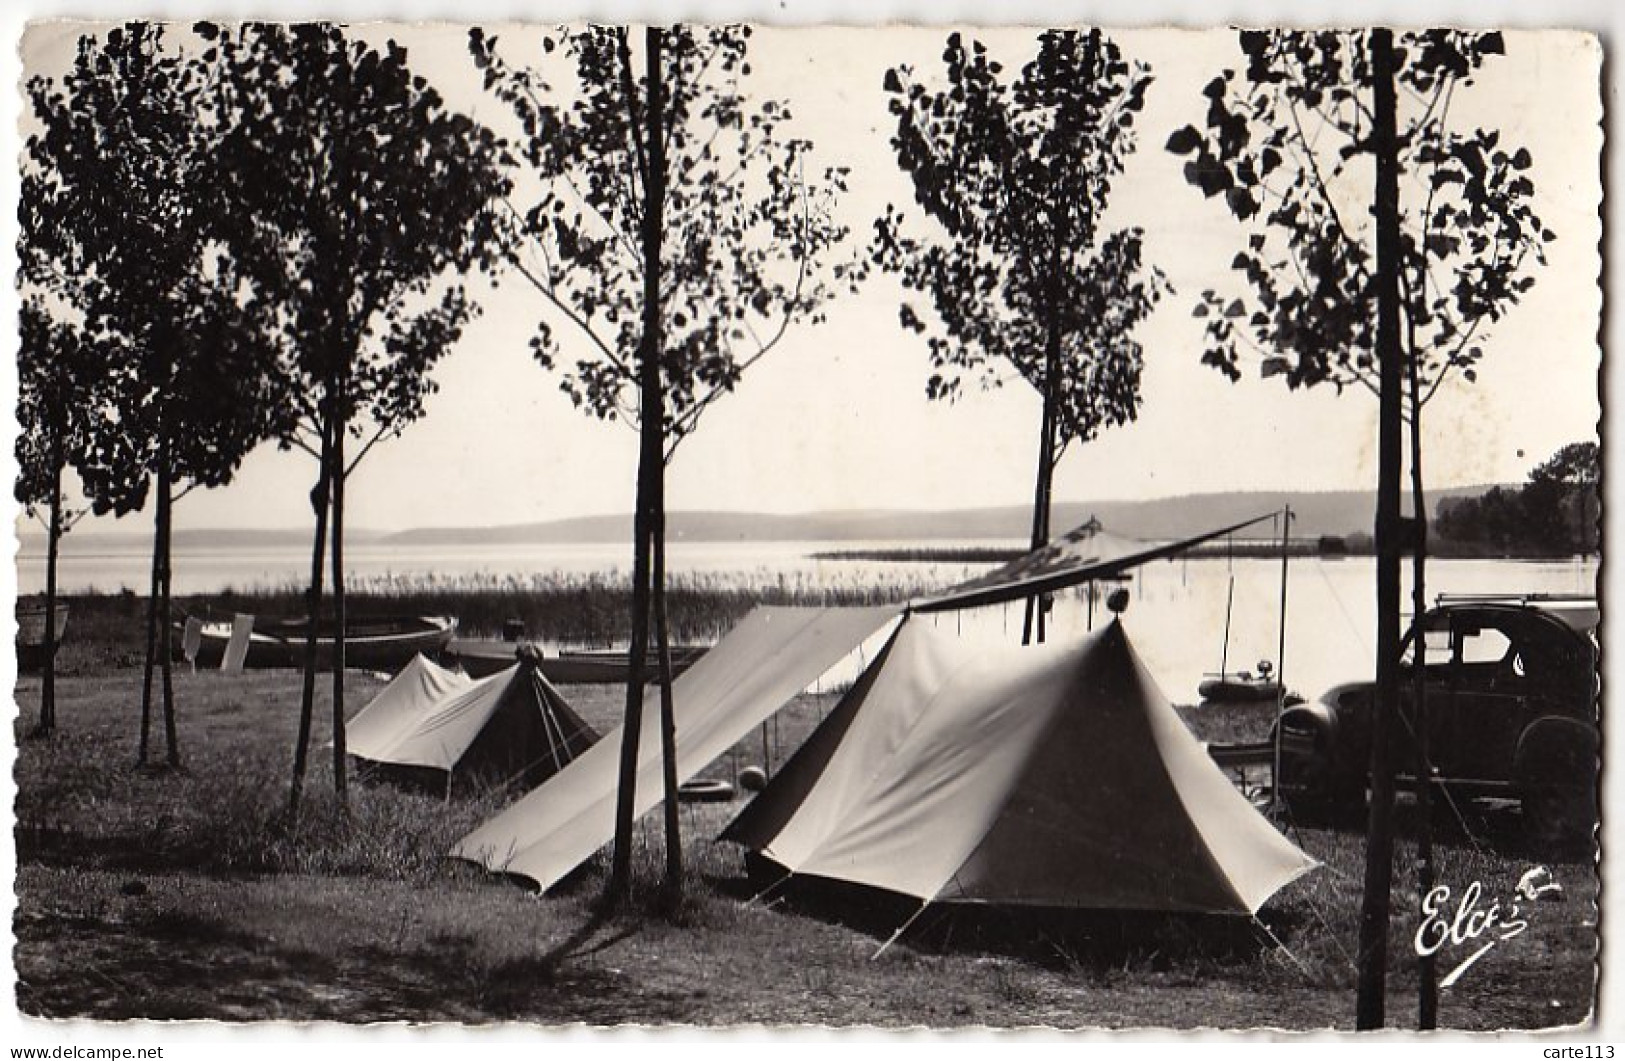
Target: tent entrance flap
x=770 y=656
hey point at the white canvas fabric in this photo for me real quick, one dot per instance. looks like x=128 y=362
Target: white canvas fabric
x=1080 y=555
x=773 y=654
x=383 y=729
x=508 y=726
x=1052 y=775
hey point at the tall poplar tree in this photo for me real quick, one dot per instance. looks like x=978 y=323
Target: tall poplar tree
x=1016 y=261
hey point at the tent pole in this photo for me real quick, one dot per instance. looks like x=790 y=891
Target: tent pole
x=900 y=930
x=1280 y=665
x=769 y=890
x=1283 y=948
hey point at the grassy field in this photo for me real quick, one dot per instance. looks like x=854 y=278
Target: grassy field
x=189 y=894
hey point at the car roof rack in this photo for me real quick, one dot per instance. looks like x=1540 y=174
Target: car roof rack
x=1578 y=611
x=1517 y=598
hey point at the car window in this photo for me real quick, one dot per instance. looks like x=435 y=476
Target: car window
x=1486 y=645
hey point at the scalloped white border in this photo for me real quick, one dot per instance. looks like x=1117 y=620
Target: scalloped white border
x=202 y=1039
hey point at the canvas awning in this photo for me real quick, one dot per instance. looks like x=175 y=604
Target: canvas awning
x=772 y=655
x=1084 y=553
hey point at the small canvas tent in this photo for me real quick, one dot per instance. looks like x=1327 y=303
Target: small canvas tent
x=1053 y=776
x=435 y=727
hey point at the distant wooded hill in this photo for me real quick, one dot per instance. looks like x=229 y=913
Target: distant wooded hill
x=1328 y=513
x=1337 y=513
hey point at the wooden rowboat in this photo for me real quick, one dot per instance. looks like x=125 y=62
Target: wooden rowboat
x=383 y=643
x=479 y=657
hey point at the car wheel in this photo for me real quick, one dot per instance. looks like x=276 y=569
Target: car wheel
x=1558 y=818
x=1556 y=769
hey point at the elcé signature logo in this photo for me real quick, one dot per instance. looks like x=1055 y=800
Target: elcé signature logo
x=1445 y=925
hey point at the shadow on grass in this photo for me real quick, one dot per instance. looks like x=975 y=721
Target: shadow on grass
x=50 y=844
x=1493 y=827
x=165 y=964
x=1076 y=941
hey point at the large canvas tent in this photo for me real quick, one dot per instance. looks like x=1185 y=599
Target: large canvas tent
x=435 y=727
x=1052 y=776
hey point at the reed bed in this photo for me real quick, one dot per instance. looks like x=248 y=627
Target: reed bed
x=585 y=609
x=952 y=555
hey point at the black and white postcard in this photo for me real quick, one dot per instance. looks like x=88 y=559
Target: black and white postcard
x=527 y=523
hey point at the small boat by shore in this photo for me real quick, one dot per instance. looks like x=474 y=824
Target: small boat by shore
x=1238 y=688
x=1244 y=687
x=31 y=626
x=383 y=643
x=480 y=657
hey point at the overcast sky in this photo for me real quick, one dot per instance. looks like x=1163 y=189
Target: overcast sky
x=837 y=417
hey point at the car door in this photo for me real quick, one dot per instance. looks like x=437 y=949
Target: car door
x=1474 y=725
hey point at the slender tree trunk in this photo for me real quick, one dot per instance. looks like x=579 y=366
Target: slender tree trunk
x=654 y=411
x=336 y=476
x=1427 y=984
x=1375 y=898
x=620 y=872
x=650 y=462
x=1033 y=620
x=47 y=702
x=673 y=884
x=1032 y=623
x=152 y=650
x=166 y=666
x=319 y=499
x=1049 y=495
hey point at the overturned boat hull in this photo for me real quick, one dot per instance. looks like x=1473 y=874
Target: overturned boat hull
x=385 y=643
x=479 y=658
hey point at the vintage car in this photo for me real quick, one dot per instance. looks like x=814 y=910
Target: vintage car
x=1511 y=708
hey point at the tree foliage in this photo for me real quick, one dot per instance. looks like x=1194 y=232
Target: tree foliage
x=121 y=226
x=56 y=368
x=1554 y=513
x=363 y=200
x=748 y=236
x=1281 y=145
x=1015 y=177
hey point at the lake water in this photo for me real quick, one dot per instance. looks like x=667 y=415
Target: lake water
x=1176 y=615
